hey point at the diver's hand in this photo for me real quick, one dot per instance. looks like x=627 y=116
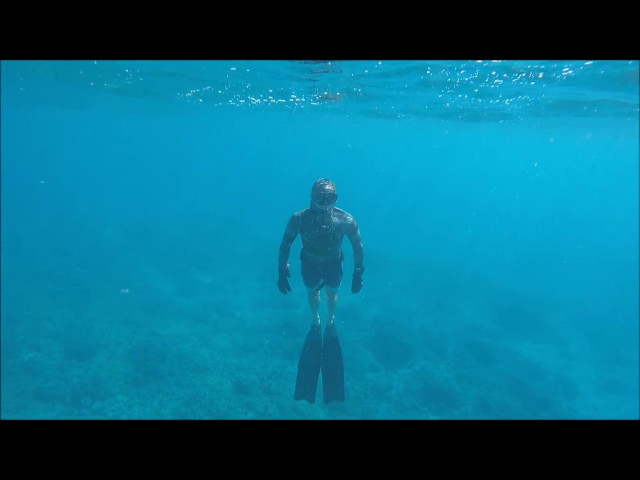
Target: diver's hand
x=356 y=282
x=283 y=283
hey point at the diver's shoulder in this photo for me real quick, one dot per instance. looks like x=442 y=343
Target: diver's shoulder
x=343 y=214
x=301 y=215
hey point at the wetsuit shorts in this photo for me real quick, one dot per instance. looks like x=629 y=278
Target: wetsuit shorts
x=328 y=272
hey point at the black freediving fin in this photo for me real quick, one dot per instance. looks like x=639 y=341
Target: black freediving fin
x=332 y=367
x=309 y=366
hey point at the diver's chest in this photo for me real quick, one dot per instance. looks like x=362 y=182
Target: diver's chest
x=326 y=231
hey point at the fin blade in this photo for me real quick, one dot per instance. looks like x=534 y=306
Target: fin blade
x=332 y=367
x=309 y=365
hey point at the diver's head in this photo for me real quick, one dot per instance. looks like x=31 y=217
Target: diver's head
x=323 y=194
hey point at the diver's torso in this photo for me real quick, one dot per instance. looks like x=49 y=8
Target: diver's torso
x=322 y=233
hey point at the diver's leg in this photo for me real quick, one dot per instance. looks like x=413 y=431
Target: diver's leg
x=312 y=277
x=314 y=303
x=332 y=303
x=310 y=361
x=333 y=278
x=332 y=363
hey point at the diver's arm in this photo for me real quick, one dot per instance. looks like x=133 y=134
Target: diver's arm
x=353 y=233
x=290 y=234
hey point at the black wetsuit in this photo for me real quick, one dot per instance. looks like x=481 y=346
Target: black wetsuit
x=321 y=256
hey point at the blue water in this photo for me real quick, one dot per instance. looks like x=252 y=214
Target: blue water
x=143 y=204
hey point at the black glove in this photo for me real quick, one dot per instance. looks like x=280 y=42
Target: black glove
x=356 y=282
x=283 y=283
